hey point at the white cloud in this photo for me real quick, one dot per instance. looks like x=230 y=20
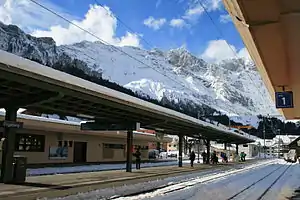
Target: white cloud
x=29 y=16
x=99 y=21
x=41 y=23
x=214 y=5
x=225 y=18
x=196 y=9
x=218 y=50
x=194 y=12
x=177 y=23
x=130 y=39
x=243 y=53
x=154 y=23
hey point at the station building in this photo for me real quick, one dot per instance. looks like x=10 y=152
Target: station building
x=47 y=141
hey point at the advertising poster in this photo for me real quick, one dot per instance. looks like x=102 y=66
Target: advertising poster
x=58 y=153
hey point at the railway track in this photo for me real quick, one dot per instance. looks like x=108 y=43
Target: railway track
x=265 y=191
x=173 y=187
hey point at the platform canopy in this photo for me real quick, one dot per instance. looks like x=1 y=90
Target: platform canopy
x=27 y=84
x=270 y=30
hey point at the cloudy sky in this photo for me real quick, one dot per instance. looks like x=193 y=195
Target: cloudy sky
x=162 y=24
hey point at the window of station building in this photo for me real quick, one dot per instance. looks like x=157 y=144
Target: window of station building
x=32 y=143
x=114 y=146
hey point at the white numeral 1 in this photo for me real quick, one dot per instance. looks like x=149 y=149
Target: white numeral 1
x=283 y=100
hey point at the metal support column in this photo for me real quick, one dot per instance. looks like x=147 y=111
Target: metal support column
x=225 y=146
x=185 y=144
x=129 y=151
x=207 y=151
x=180 y=150
x=198 y=148
x=237 y=149
x=8 y=147
x=158 y=146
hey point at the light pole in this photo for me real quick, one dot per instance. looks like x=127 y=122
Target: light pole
x=259 y=149
x=278 y=130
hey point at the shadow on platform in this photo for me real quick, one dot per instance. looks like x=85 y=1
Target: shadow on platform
x=43 y=185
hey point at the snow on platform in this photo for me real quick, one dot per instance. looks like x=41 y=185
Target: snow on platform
x=94 y=168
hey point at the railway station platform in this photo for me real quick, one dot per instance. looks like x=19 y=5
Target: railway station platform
x=51 y=186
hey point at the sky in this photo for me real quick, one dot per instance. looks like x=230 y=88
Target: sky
x=163 y=24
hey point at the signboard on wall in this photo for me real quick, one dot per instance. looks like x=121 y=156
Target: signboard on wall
x=11 y=124
x=58 y=153
x=284 y=99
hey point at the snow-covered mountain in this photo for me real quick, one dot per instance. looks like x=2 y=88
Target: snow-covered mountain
x=231 y=86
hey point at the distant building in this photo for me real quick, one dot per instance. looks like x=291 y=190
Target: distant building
x=278 y=145
x=173 y=145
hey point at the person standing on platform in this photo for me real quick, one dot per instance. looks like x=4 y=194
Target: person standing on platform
x=192 y=158
x=204 y=157
x=214 y=157
x=138 y=158
x=243 y=156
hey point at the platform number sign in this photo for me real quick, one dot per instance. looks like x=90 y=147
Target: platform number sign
x=284 y=99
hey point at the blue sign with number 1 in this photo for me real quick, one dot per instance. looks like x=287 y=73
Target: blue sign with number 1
x=284 y=99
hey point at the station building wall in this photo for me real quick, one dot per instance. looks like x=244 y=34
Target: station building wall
x=251 y=150
x=98 y=148
x=36 y=139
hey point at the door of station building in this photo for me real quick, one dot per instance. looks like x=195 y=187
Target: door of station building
x=80 y=149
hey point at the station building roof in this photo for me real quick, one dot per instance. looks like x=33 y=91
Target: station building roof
x=27 y=84
x=38 y=124
x=270 y=30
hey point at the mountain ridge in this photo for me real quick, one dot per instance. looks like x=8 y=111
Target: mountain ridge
x=232 y=86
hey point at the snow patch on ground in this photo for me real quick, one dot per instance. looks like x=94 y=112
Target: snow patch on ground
x=178 y=181
x=186 y=185
x=223 y=187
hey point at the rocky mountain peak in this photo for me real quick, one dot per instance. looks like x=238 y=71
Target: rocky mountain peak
x=183 y=60
x=14 y=40
x=176 y=74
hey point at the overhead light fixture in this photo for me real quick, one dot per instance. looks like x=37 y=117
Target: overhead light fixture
x=240 y=20
x=20 y=110
x=85 y=116
x=82 y=122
